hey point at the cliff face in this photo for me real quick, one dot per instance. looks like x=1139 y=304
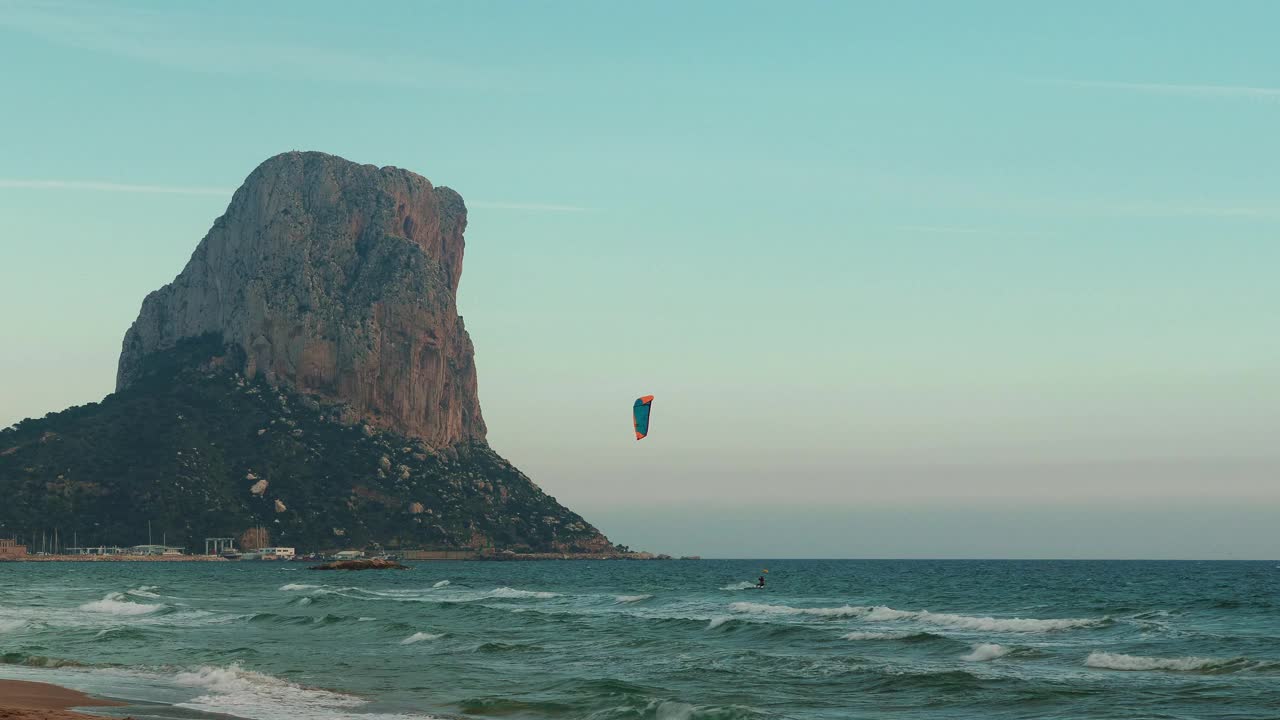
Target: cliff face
x=337 y=280
x=307 y=373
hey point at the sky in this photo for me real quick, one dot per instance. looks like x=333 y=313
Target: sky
x=917 y=279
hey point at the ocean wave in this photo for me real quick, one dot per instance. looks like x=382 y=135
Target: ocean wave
x=37 y=661
x=119 y=632
x=1152 y=614
x=717 y=621
x=503 y=647
x=296 y=587
x=233 y=690
x=146 y=591
x=880 y=635
x=984 y=652
x=116 y=604
x=899 y=680
x=1119 y=661
x=739 y=586
x=420 y=636
x=11 y=625
x=506 y=592
x=766 y=609
x=623 y=599
x=960 y=622
x=442 y=583
x=676 y=710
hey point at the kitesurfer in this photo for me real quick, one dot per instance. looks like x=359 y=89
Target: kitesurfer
x=760 y=583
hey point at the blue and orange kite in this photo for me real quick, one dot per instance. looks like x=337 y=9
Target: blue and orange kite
x=640 y=415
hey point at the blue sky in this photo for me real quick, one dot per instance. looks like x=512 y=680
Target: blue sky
x=924 y=262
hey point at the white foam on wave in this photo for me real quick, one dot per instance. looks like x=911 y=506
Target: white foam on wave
x=304 y=601
x=295 y=587
x=875 y=636
x=1119 y=661
x=718 y=621
x=116 y=604
x=671 y=710
x=232 y=690
x=739 y=586
x=631 y=598
x=984 y=652
x=11 y=625
x=506 y=592
x=766 y=609
x=881 y=613
x=441 y=584
x=420 y=636
x=146 y=591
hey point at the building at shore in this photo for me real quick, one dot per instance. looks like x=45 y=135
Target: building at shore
x=10 y=548
x=154 y=550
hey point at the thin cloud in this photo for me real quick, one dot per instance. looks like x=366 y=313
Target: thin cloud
x=1197 y=91
x=175 y=39
x=110 y=187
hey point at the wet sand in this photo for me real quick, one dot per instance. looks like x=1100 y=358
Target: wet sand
x=20 y=700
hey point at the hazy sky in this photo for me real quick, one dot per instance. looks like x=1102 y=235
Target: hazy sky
x=928 y=279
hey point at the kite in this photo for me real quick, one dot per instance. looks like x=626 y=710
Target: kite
x=640 y=415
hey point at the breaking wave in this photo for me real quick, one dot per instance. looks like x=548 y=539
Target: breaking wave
x=960 y=622
x=631 y=598
x=986 y=651
x=420 y=636
x=441 y=584
x=116 y=604
x=765 y=609
x=718 y=621
x=879 y=635
x=235 y=691
x=294 y=587
x=1119 y=661
x=506 y=592
x=10 y=625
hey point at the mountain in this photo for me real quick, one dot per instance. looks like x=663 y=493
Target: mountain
x=307 y=372
x=339 y=280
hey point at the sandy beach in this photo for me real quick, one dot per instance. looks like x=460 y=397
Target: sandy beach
x=20 y=700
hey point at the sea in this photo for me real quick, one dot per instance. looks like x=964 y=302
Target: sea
x=662 y=640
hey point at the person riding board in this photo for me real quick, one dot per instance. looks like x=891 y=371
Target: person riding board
x=760 y=583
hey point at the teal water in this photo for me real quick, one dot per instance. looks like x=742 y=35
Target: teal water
x=679 y=640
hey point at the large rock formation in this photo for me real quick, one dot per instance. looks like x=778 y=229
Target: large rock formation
x=306 y=376
x=338 y=280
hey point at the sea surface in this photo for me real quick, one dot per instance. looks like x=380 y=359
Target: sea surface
x=677 y=640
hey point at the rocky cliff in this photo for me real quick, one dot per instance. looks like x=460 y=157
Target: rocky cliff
x=307 y=373
x=339 y=280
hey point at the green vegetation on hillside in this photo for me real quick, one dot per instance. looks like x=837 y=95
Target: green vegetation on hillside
x=189 y=446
